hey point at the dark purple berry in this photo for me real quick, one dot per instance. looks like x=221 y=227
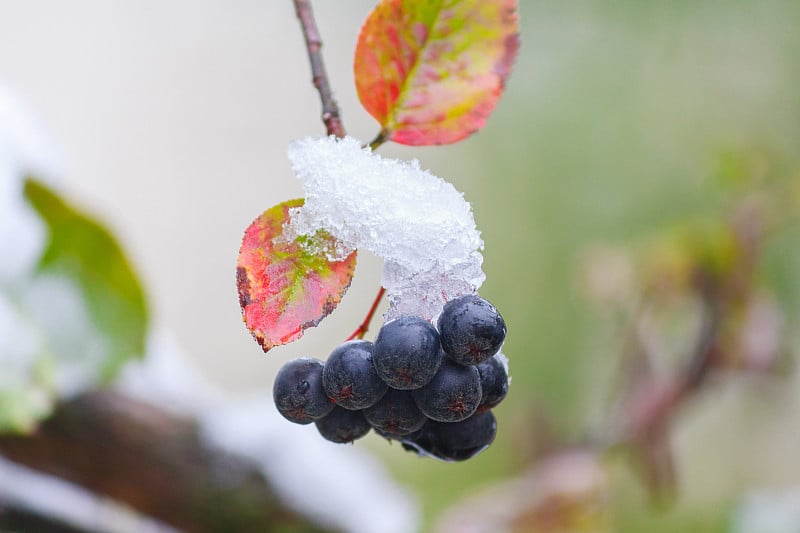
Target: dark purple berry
x=471 y=329
x=456 y=441
x=298 y=391
x=494 y=383
x=452 y=395
x=343 y=425
x=395 y=415
x=350 y=379
x=402 y=438
x=407 y=352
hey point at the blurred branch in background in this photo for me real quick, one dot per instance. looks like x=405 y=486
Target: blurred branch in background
x=156 y=464
x=693 y=309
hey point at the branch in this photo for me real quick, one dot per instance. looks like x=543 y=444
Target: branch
x=155 y=463
x=330 y=110
x=330 y=114
x=649 y=408
x=662 y=400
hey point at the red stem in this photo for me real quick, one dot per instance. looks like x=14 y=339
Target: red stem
x=364 y=327
x=330 y=110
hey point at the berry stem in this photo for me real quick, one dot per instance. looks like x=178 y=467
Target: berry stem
x=362 y=329
x=379 y=139
x=330 y=109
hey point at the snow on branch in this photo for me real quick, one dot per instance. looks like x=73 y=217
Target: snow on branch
x=418 y=223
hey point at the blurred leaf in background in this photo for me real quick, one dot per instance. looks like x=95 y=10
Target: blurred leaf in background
x=70 y=322
x=81 y=249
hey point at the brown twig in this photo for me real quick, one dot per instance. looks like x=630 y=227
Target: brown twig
x=668 y=397
x=653 y=403
x=364 y=327
x=330 y=113
x=702 y=360
x=330 y=110
x=379 y=139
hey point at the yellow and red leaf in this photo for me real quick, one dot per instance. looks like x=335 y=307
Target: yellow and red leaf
x=284 y=286
x=431 y=71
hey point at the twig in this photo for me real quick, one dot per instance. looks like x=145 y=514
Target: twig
x=652 y=404
x=703 y=357
x=364 y=327
x=330 y=110
x=330 y=113
x=668 y=398
x=381 y=138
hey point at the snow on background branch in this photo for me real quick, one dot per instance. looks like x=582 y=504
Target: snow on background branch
x=51 y=349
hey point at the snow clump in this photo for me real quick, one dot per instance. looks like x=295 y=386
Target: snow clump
x=418 y=223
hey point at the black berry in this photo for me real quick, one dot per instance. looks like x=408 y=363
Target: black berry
x=494 y=383
x=298 y=391
x=456 y=441
x=343 y=425
x=350 y=379
x=395 y=415
x=407 y=352
x=471 y=329
x=452 y=395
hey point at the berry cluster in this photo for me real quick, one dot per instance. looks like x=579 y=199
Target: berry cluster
x=431 y=388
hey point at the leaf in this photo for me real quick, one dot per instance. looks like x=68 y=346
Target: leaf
x=85 y=252
x=431 y=71
x=287 y=287
x=22 y=407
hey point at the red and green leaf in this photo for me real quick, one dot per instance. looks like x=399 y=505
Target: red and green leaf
x=285 y=287
x=431 y=71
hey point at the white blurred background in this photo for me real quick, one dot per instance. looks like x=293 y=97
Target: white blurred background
x=174 y=118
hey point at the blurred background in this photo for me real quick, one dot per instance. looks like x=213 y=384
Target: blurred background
x=638 y=148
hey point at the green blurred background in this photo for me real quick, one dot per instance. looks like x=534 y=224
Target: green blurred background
x=617 y=123
x=615 y=127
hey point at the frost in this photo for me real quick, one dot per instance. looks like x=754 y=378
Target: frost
x=48 y=347
x=24 y=149
x=503 y=359
x=418 y=223
x=48 y=344
x=23 y=139
x=19 y=342
x=77 y=348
